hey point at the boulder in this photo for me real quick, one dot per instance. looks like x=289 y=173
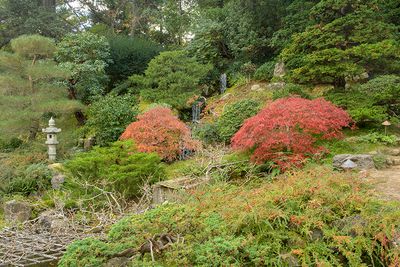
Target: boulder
x=57 y=181
x=276 y=86
x=58 y=178
x=392 y=151
x=17 y=211
x=50 y=221
x=351 y=80
x=255 y=87
x=279 y=70
x=361 y=161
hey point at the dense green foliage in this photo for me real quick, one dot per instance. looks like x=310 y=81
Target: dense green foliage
x=265 y=71
x=309 y=217
x=104 y=66
x=85 y=56
x=30 y=87
x=20 y=17
x=172 y=78
x=374 y=101
x=108 y=117
x=233 y=117
x=129 y=56
x=34 y=179
x=119 y=168
x=347 y=38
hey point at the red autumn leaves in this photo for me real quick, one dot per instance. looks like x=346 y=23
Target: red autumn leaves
x=286 y=130
x=158 y=130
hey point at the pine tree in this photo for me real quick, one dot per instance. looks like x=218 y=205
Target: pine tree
x=29 y=87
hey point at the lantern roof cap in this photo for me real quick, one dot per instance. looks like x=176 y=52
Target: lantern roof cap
x=52 y=122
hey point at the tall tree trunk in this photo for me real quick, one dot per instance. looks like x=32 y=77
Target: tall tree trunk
x=33 y=130
x=79 y=116
x=30 y=77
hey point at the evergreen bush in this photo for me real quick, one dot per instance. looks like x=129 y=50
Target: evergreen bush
x=233 y=117
x=109 y=116
x=265 y=72
x=120 y=168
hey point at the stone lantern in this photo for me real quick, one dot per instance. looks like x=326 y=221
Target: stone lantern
x=386 y=124
x=51 y=141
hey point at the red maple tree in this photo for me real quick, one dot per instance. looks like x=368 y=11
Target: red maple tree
x=158 y=130
x=286 y=130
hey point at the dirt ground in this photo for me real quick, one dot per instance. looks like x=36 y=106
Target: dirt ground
x=386 y=182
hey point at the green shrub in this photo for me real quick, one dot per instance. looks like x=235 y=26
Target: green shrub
x=374 y=101
x=118 y=168
x=311 y=216
x=206 y=132
x=378 y=138
x=380 y=161
x=109 y=116
x=265 y=72
x=35 y=178
x=10 y=145
x=290 y=90
x=233 y=117
x=172 y=77
x=130 y=55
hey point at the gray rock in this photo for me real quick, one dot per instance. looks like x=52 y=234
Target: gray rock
x=57 y=181
x=255 y=87
x=276 y=86
x=351 y=80
x=348 y=165
x=117 y=262
x=362 y=161
x=16 y=211
x=280 y=69
x=392 y=151
x=52 y=222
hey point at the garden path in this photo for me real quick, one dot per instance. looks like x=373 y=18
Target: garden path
x=387 y=182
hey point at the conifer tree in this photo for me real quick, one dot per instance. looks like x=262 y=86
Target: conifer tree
x=29 y=87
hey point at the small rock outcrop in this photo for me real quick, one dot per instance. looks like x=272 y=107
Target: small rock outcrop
x=52 y=222
x=280 y=70
x=57 y=181
x=276 y=86
x=58 y=178
x=361 y=161
x=17 y=211
x=255 y=87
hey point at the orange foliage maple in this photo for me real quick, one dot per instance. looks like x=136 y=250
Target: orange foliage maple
x=158 y=130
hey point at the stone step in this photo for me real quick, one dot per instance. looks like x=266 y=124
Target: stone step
x=393 y=161
x=391 y=151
